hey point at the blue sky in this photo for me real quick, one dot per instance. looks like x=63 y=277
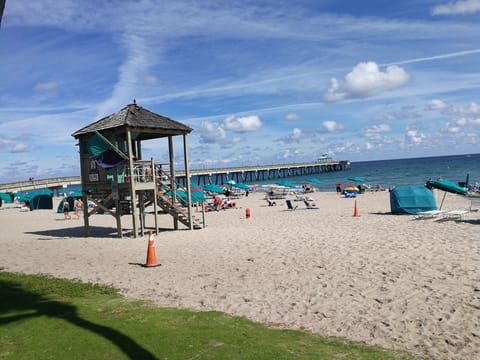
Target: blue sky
x=260 y=82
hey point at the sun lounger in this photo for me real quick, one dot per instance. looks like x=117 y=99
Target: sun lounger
x=430 y=214
x=457 y=214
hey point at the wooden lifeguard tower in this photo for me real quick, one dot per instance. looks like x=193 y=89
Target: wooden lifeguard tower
x=119 y=182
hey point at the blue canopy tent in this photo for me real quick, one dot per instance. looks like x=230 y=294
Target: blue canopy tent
x=411 y=200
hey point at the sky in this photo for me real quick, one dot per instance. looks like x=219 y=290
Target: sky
x=260 y=82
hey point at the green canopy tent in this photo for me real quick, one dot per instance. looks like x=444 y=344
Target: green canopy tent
x=41 y=201
x=411 y=200
x=6 y=198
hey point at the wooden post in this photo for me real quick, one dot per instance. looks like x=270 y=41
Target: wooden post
x=154 y=176
x=133 y=193
x=173 y=185
x=187 y=180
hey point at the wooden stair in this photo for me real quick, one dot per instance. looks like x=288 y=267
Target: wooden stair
x=176 y=211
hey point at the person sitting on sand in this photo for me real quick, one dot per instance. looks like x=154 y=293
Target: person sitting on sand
x=271 y=202
x=217 y=202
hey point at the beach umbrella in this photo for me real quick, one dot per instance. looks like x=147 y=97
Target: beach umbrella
x=213 y=188
x=242 y=186
x=446 y=186
x=197 y=196
x=286 y=184
x=356 y=179
x=231 y=182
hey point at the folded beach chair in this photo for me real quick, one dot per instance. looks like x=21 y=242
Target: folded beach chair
x=310 y=204
x=290 y=206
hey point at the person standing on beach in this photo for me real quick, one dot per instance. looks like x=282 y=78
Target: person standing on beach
x=78 y=207
x=66 y=209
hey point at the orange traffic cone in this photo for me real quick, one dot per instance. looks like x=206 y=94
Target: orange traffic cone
x=151 y=256
x=355 y=210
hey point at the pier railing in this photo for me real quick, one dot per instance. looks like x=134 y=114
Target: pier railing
x=203 y=176
x=52 y=183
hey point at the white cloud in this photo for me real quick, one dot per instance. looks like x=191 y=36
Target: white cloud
x=292 y=117
x=294 y=137
x=436 y=104
x=463 y=122
x=375 y=131
x=414 y=137
x=369 y=146
x=4 y=143
x=365 y=80
x=332 y=126
x=211 y=133
x=19 y=148
x=242 y=124
x=46 y=89
x=471 y=110
x=296 y=134
x=466 y=118
x=461 y=7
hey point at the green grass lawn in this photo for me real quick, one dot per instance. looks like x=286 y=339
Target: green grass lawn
x=47 y=318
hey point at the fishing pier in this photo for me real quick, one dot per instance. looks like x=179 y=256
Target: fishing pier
x=251 y=174
x=220 y=176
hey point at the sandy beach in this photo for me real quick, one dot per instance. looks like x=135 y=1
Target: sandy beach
x=387 y=280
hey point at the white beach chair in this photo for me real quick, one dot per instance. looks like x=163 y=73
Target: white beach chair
x=475 y=203
x=431 y=214
x=457 y=214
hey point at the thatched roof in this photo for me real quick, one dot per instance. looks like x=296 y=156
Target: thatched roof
x=138 y=119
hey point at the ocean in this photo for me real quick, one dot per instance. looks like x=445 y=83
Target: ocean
x=398 y=172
